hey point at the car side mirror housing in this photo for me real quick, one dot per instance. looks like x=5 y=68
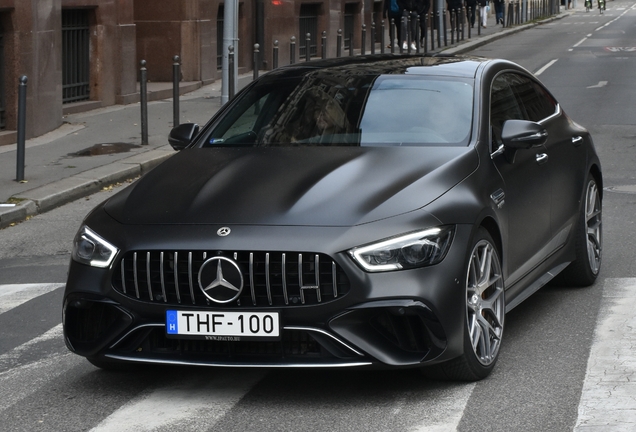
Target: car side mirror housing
x=523 y=134
x=181 y=136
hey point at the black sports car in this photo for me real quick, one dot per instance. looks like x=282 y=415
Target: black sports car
x=380 y=211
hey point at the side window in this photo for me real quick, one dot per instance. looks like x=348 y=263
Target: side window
x=503 y=106
x=534 y=99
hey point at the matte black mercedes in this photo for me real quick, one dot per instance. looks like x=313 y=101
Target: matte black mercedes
x=380 y=211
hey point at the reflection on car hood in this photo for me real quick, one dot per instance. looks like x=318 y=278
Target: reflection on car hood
x=310 y=186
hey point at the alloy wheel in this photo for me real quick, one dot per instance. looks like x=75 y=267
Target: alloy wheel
x=485 y=302
x=593 y=224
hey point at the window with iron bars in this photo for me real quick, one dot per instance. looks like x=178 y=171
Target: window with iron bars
x=350 y=11
x=75 y=55
x=219 y=38
x=308 y=23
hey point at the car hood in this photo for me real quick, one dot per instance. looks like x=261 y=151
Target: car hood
x=302 y=186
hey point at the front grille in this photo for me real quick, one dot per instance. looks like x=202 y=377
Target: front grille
x=275 y=279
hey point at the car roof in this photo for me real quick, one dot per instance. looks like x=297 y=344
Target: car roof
x=389 y=64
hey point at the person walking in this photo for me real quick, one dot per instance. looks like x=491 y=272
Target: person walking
x=483 y=12
x=499 y=11
x=393 y=11
x=409 y=14
x=422 y=11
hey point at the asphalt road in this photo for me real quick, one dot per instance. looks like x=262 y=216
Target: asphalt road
x=542 y=381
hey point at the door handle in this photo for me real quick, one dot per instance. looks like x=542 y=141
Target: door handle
x=542 y=158
x=577 y=140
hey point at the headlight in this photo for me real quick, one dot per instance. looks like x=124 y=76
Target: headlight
x=417 y=249
x=91 y=249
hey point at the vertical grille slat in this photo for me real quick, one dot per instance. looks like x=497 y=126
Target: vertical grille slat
x=162 y=278
x=190 y=278
x=175 y=264
x=284 y=275
x=135 y=274
x=148 y=276
x=267 y=281
x=270 y=279
x=252 y=289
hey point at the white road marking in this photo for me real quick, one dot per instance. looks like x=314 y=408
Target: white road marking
x=446 y=411
x=189 y=404
x=579 y=42
x=12 y=296
x=609 y=389
x=599 y=85
x=543 y=69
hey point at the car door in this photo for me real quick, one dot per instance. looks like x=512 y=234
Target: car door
x=526 y=178
x=566 y=158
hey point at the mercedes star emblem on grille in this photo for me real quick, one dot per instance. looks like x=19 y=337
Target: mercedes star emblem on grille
x=224 y=231
x=220 y=279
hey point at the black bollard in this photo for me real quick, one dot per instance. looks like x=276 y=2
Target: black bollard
x=275 y=55
x=392 y=33
x=22 y=89
x=307 y=47
x=292 y=50
x=324 y=44
x=256 y=53
x=373 y=38
x=176 y=77
x=364 y=40
x=382 y=41
x=339 y=44
x=230 y=61
x=143 y=96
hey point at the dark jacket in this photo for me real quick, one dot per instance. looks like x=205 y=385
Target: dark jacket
x=387 y=10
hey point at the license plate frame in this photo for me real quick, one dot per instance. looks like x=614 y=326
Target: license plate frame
x=231 y=326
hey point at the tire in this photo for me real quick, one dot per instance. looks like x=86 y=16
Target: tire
x=484 y=317
x=585 y=268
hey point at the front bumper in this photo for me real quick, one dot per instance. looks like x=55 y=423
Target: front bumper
x=395 y=319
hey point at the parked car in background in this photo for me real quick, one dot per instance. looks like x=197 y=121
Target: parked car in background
x=381 y=211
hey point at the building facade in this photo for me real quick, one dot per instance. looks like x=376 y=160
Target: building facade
x=84 y=54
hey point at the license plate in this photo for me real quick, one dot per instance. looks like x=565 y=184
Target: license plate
x=230 y=326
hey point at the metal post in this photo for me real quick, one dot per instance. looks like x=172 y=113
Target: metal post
x=453 y=23
x=439 y=29
x=445 y=29
x=324 y=44
x=275 y=55
x=230 y=61
x=22 y=88
x=425 y=35
x=364 y=40
x=478 y=21
x=373 y=38
x=382 y=41
x=470 y=24
x=418 y=24
x=409 y=36
x=307 y=47
x=432 y=25
x=255 y=70
x=392 y=34
x=176 y=77
x=143 y=94
x=339 y=44
x=292 y=50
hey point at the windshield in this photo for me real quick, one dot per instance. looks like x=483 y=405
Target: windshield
x=349 y=110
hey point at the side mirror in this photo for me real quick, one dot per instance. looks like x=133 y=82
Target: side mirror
x=523 y=134
x=181 y=136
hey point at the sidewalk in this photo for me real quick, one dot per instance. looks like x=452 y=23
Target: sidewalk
x=56 y=173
